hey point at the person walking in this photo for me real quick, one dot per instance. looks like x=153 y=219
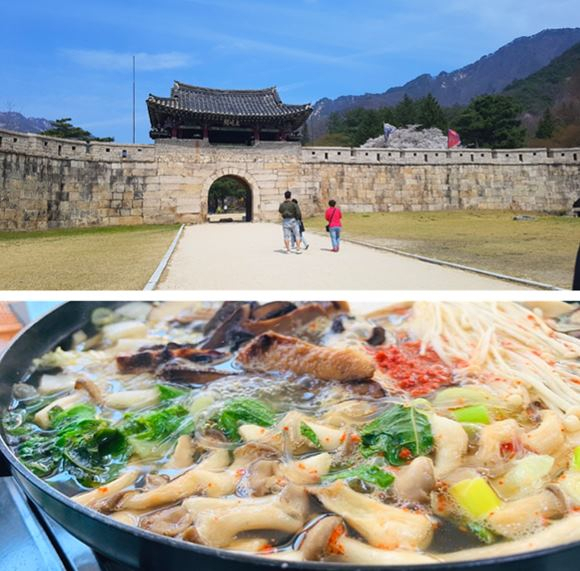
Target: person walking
x=300 y=228
x=333 y=216
x=290 y=213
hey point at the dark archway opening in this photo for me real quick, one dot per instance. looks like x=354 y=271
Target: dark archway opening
x=229 y=200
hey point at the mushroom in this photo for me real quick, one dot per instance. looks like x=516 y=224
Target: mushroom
x=285 y=512
x=415 y=482
x=180 y=371
x=262 y=477
x=327 y=541
x=515 y=518
x=381 y=525
x=307 y=470
x=128 y=517
x=274 y=352
x=377 y=336
x=169 y=522
x=225 y=322
x=194 y=481
x=92 y=389
x=249 y=545
x=492 y=439
x=148 y=358
x=451 y=443
x=218 y=459
x=42 y=417
x=111 y=489
x=183 y=453
x=548 y=438
x=288 y=432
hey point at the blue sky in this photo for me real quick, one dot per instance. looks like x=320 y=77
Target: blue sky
x=73 y=58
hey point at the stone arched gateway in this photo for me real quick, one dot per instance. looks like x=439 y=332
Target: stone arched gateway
x=245 y=178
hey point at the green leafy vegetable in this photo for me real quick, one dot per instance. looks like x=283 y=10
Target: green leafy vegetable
x=308 y=433
x=399 y=434
x=153 y=432
x=243 y=411
x=167 y=392
x=59 y=417
x=88 y=448
x=370 y=474
x=481 y=532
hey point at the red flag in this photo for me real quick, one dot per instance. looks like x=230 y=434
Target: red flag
x=453 y=139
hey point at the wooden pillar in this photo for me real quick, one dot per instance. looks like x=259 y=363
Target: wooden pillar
x=174 y=132
x=256 y=134
x=205 y=132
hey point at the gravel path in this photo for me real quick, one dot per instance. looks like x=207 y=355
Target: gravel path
x=241 y=256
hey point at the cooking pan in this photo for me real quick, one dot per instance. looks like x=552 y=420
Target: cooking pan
x=142 y=549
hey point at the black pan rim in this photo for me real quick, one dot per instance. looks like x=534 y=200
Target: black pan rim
x=233 y=556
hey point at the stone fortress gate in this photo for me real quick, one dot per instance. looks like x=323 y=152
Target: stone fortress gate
x=202 y=135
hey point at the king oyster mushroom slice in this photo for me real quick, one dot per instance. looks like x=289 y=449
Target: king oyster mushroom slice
x=285 y=512
x=327 y=541
x=273 y=352
x=381 y=525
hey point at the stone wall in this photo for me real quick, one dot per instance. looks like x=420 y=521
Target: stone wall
x=47 y=182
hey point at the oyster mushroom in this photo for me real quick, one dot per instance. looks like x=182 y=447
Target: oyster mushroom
x=273 y=352
x=451 y=443
x=415 y=482
x=262 y=477
x=381 y=525
x=183 y=453
x=286 y=513
x=308 y=470
x=515 y=518
x=169 y=522
x=327 y=541
x=92 y=389
x=111 y=489
x=547 y=438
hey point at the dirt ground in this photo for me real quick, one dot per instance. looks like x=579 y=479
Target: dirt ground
x=82 y=259
x=543 y=249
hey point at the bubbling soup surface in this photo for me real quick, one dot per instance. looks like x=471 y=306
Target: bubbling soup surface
x=419 y=433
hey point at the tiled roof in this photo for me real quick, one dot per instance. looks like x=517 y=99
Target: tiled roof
x=259 y=103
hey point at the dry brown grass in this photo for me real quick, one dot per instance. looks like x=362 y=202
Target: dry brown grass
x=118 y=258
x=542 y=250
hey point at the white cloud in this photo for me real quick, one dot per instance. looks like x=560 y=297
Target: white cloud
x=123 y=61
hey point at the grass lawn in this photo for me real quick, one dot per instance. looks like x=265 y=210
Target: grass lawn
x=542 y=250
x=85 y=258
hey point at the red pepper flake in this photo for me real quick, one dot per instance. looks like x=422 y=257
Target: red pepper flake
x=415 y=372
x=507 y=450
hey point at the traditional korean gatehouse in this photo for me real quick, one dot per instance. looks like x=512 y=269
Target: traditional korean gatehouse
x=225 y=116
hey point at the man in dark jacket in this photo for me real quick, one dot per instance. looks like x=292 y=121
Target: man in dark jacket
x=290 y=213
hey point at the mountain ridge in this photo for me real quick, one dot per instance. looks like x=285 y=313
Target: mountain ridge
x=14 y=121
x=491 y=73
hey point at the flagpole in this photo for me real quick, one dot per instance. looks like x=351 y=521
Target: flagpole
x=133 y=99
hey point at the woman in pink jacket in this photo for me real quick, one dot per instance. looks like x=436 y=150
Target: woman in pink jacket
x=334 y=218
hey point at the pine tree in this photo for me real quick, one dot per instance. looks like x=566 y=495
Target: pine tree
x=547 y=126
x=64 y=129
x=406 y=112
x=431 y=114
x=492 y=121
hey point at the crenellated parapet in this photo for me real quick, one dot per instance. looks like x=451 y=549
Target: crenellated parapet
x=47 y=182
